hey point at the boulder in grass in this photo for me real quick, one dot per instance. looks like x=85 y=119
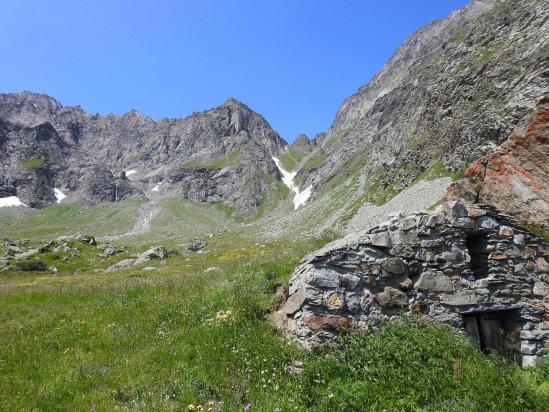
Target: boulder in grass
x=196 y=245
x=157 y=252
x=108 y=250
x=123 y=264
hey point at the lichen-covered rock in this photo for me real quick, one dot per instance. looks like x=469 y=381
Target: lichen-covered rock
x=450 y=273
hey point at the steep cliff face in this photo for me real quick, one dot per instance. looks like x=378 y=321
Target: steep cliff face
x=28 y=162
x=230 y=144
x=451 y=93
x=515 y=177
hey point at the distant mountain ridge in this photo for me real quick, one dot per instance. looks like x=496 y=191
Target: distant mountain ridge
x=453 y=92
x=229 y=148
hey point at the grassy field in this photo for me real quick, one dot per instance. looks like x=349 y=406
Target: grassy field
x=180 y=337
x=190 y=334
x=291 y=158
x=66 y=219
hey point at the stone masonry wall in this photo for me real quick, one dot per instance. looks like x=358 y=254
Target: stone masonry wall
x=461 y=261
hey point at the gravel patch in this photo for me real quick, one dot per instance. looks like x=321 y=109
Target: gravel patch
x=413 y=199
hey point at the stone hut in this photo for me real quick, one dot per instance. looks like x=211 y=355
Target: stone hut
x=466 y=266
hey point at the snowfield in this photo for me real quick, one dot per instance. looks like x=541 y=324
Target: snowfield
x=288 y=178
x=10 y=201
x=130 y=172
x=59 y=195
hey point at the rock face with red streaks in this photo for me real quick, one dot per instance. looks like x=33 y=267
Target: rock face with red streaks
x=515 y=177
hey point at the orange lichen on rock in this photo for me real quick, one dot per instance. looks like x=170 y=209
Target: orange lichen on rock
x=515 y=177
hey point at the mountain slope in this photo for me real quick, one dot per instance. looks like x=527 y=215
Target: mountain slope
x=454 y=90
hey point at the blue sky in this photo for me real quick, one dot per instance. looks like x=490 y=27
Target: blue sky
x=294 y=61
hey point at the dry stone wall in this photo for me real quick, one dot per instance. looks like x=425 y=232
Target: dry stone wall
x=466 y=266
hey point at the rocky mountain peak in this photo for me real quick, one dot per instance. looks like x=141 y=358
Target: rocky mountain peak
x=303 y=143
x=28 y=108
x=231 y=101
x=221 y=155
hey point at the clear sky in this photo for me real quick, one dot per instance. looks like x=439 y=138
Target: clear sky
x=294 y=61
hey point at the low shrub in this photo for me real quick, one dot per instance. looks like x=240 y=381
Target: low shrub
x=30 y=266
x=412 y=365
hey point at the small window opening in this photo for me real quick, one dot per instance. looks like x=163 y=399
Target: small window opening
x=494 y=331
x=478 y=251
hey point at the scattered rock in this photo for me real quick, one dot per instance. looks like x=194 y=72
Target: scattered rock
x=25 y=255
x=87 y=239
x=45 y=248
x=157 y=252
x=61 y=248
x=123 y=264
x=108 y=250
x=11 y=249
x=296 y=368
x=196 y=245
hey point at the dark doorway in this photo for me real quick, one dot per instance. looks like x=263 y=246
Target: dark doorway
x=477 y=246
x=494 y=331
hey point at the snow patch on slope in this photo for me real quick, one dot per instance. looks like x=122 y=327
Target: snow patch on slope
x=288 y=178
x=156 y=188
x=10 y=201
x=130 y=172
x=59 y=195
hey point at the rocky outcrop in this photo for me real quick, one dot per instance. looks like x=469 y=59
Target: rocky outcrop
x=99 y=184
x=468 y=267
x=515 y=177
x=87 y=153
x=156 y=252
